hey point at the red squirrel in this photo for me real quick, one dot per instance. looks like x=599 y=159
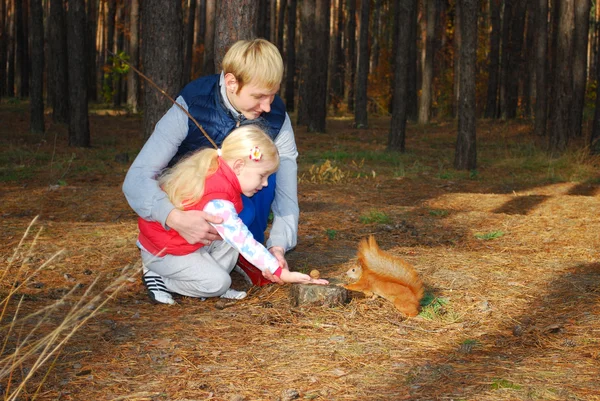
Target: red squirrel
x=381 y=273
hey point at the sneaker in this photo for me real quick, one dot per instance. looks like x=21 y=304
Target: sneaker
x=234 y=294
x=156 y=288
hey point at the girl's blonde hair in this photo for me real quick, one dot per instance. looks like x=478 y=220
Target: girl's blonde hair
x=184 y=182
x=255 y=61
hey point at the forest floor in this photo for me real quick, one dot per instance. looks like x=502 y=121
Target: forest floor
x=509 y=254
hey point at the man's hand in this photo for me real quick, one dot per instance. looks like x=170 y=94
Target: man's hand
x=193 y=225
x=279 y=254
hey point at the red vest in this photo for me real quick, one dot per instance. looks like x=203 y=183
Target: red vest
x=223 y=184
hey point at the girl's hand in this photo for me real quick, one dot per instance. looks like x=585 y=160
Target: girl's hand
x=300 y=278
x=271 y=277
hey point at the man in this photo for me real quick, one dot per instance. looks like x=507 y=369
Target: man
x=244 y=93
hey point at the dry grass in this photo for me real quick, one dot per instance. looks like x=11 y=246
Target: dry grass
x=509 y=255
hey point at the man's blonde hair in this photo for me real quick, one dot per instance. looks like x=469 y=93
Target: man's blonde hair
x=256 y=62
x=184 y=182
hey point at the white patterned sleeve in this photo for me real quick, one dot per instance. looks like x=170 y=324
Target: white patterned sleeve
x=236 y=234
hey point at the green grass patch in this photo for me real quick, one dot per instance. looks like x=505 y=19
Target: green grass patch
x=498 y=384
x=375 y=216
x=489 y=236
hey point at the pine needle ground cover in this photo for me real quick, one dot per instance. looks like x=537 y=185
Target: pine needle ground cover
x=510 y=256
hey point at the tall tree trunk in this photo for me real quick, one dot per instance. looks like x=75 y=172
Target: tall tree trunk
x=21 y=61
x=209 y=39
x=10 y=62
x=505 y=54
x=263 y=19
x=290 y=60
x=465 y=156
x=3 y=47
x=118 y=87
x=79 y=126
x=515 y=59
x=281 y=25
x=236 y=20
x=595 y=135
x=362 y=74
x=162 y=30
x=376 y=37
x=491 y=106
x=397 y=135
x=427 y=80
x=110 y=46
x=541 y=63
x=37 y=67
x=133 y=82
x=351 y=49
x=314 y=23
x=338 y=69
x=457 y=46
x=58 y=65
x=412 y=67
x=189 y=40
x=560 y=122
x=529 y=64
x=579 y=63
x=92 y=18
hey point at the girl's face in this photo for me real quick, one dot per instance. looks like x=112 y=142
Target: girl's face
x=253 y=175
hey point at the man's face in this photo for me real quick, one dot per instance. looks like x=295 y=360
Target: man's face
x=252 y=100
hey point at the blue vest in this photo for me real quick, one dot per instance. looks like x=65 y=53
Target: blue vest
x=203 y=98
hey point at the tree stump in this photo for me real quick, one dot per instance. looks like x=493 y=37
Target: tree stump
x=318 y=295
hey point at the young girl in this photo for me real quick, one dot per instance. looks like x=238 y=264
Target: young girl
x=212 y=180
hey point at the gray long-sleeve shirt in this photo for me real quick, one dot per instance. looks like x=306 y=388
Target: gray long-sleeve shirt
x=148 y=200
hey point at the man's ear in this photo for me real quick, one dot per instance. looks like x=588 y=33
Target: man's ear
x=231 y=83
x=238 y=166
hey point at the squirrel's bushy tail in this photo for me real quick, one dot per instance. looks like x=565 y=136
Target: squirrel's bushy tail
x=385 y=264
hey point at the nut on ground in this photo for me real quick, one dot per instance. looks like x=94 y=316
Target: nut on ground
x=314 y=273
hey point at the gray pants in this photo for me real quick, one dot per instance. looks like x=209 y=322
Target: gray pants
x=203 y=273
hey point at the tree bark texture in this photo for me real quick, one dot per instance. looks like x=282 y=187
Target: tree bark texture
x=290 y=59
x=37 y=67
x=465 y=157
x=58 y=70
x=362 y=73
x=312 y=107
x=92 y=25
x=427 y=68
x=541 y=68
x=561 y=122
x=133 y=81
x=351 y=49
x=79 y=127
x=397 y=135
x=209 y=39
x=236 y=20
x=162 y=46
x=491 y=106
x=515 y=58
x=579 y=63
x=189 y=40
x=3 y=47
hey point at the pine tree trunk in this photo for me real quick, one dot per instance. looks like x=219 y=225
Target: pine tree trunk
x=290 y=61
x=412 y=68
x=515 y=59
x=579 y=64
x=465 y=156
x=10 y=62
x=162 y=30
x=351 y=49
x=37 y=67
x=541 y=86
x=560 y=121
x=339 y=66
x=108 y=81
x=209 y=39
x=133 y=81
x=58 y=69
x=491 y=106
x=92 y=19
x=529 y=64
x=427 y=80
x=312 y=107
x=3 y=47
x=189 y=41
x=397 y=135
x=362 y=73
x=79 y=127
x=236 y=20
